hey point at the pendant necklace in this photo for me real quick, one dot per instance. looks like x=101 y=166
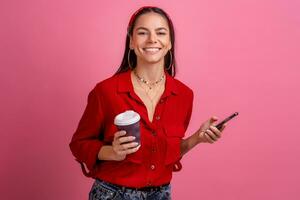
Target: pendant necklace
x=147 y=92
x=150 y=85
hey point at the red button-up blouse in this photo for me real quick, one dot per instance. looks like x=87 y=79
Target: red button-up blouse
x=159 y=154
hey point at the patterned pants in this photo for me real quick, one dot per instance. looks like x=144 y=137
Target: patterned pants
x=102 y=190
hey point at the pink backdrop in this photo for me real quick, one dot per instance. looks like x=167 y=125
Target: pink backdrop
x=237 y=55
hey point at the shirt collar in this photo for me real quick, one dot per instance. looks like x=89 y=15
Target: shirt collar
x=125 y=84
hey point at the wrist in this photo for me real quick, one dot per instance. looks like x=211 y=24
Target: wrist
x=193 y=141
x=198 y=137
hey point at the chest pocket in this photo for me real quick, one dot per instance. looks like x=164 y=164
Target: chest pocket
x=174 y=135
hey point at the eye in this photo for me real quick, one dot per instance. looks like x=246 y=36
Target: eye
x=161 y=33
x=142 y=33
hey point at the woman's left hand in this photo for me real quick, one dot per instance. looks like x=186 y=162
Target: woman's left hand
x=208 y=133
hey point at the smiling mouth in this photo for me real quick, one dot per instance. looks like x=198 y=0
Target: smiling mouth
x=151 y=49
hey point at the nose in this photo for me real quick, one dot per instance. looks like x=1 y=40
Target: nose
x=152 y=38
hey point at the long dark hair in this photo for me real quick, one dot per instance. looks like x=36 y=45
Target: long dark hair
x=169 y=60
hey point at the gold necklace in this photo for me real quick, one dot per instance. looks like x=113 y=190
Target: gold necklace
x=147 y=93
x=147 y=82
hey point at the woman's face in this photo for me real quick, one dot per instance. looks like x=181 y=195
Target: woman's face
x=150 y=39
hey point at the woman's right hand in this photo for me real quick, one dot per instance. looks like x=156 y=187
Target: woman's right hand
x=123 y=145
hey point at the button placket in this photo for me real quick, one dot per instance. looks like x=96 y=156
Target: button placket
x=153 y=150
x=153 y=132
x=159 y=109
x=152 y=167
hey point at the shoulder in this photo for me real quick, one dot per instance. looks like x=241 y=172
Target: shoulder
x=183 y=88
x=109 y=83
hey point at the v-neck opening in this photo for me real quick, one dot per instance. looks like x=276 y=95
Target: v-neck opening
x=137 y=96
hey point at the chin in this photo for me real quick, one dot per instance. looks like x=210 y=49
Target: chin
x=153 y=61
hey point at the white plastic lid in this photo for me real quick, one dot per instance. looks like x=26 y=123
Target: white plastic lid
x=126 y=118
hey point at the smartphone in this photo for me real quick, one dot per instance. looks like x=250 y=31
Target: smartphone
x=219 y=125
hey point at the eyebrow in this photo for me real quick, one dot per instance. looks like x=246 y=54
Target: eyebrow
x=157 y=29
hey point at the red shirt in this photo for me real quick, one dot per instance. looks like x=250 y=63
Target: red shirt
x=159 y=154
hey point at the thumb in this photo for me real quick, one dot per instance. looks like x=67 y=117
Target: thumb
x=213 y=119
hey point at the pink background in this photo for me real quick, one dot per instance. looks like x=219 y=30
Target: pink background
x=237 y=55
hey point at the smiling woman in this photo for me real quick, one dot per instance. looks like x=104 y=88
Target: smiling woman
x=151 y=27
x=145 y=83
x=150 y=39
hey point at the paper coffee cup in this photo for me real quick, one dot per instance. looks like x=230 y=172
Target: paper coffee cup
x=129 y=121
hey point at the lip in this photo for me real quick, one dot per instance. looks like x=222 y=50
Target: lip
x=159 y=48
x=153 y=51
x=152 y=47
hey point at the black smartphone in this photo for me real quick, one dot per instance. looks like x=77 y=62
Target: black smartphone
x=219 y=125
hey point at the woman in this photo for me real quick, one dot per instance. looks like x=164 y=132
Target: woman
x=145 y=83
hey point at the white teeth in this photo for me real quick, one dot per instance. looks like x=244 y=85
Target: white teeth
x=151 y=49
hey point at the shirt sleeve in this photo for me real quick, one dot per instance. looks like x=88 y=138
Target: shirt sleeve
x=189 y=111
x=177 y=166
x=85 y=143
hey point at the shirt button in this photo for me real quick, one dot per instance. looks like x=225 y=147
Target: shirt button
x=158 y=117
x=152 y=167
x=153 y=133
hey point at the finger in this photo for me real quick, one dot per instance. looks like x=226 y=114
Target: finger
x=211 y=135
x=205 y=137
x=202 y=136
x=125 y=139
x=118 y=149
x=129 y=145
x=132 y=150
x=119 y=134
x=208 y=138
x=121 y=149
x=121 y=153
x=216 y=131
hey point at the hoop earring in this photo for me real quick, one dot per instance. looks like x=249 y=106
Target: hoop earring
x=171 y=60
x=128 y=59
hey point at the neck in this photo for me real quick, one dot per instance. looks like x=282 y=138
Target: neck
x=150 y=72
